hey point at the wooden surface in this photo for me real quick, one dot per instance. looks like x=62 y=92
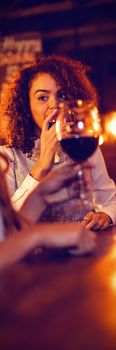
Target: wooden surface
x=59 y=302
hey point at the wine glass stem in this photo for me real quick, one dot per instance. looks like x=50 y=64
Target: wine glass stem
x=85 y=195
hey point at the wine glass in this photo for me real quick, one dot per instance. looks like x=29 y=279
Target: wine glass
x=78 y=128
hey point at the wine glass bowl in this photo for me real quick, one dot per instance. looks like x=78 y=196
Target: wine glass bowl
x=78 y=129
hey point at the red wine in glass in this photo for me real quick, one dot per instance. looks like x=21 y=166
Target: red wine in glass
x=79 y=148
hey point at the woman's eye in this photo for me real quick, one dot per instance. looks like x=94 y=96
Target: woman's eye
x=61 y=96
x=43 y=98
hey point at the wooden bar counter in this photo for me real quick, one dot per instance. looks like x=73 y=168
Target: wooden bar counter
x=57 y=302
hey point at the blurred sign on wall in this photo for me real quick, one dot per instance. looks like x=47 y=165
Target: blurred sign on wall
x=16 y=51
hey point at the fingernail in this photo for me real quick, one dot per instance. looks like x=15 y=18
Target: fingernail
x=54 y=111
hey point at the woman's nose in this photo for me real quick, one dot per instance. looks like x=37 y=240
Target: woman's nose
x=53 y=103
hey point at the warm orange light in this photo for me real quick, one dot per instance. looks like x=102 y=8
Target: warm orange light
x=113 y=282
x=101 y=140
x=94 y=113
x=110 y=124
x=79 y=102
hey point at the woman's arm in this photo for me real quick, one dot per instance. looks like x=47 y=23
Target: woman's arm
x=48 y=147
x=104 y=195
x=10 y=176
x=64 y=235
x=18 y=194
x=29 y=173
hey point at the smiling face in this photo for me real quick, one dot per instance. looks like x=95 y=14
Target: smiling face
x=44 y=93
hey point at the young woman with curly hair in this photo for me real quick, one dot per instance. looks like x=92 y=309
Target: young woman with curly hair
x=28 y=106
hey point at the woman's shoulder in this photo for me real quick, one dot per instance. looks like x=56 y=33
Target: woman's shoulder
x=8 y=151
x=12 y=154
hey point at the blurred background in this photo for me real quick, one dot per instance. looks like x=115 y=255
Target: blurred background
x=85 y=30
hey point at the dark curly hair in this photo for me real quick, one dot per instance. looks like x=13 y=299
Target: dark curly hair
x=17 y=120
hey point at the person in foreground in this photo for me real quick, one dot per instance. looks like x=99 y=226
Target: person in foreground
x=19 y=233
x=27 y=110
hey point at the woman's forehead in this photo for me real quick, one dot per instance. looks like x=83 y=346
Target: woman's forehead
x=43 y=79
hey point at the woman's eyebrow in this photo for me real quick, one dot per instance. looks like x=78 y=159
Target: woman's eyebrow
x=41 y=90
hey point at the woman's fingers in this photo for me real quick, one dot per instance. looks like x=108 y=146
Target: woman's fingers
x=49 y=118
x=64 y=177
x=61 y=184
x=58 y=178
x=72 y=235
x=86 y=241
x=49 y=139
x=97 y=221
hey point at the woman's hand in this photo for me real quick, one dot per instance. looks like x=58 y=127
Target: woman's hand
x=71 y=235
x=57 y=186
x=48 y=147
x=97 y=221
x=62 y=184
